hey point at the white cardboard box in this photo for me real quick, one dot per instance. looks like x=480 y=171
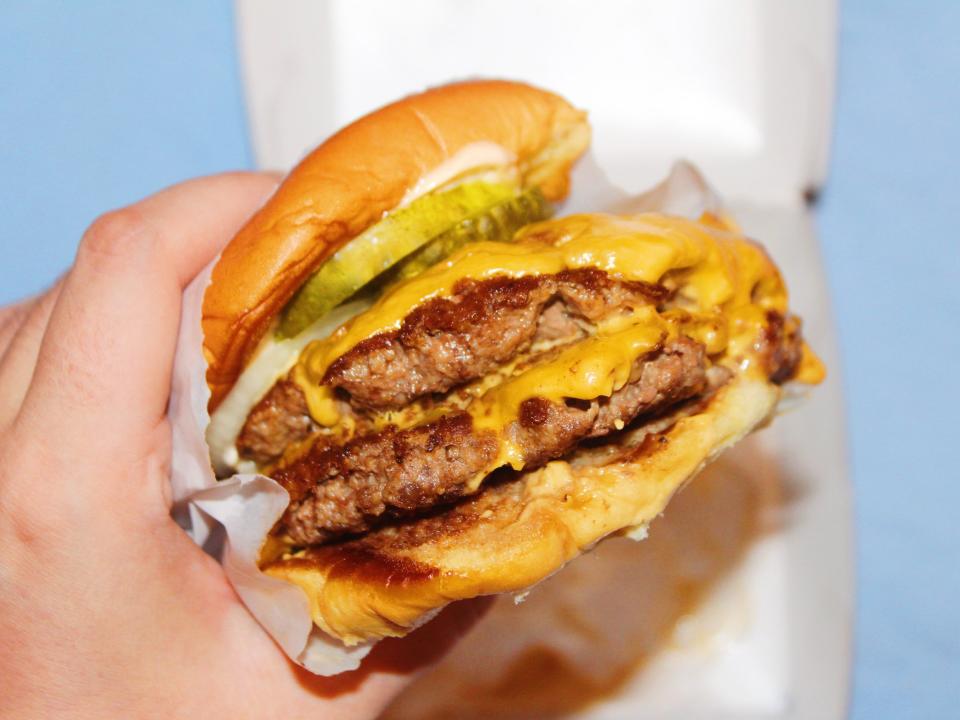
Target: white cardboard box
x=744 y=89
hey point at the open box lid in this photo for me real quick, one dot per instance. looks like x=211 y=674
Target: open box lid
x=744 y=88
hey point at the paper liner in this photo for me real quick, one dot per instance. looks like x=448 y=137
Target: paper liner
x=247 y=506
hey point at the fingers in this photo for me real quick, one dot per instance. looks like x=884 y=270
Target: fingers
x=11 y=318
x=102 y=375
x=20 y=357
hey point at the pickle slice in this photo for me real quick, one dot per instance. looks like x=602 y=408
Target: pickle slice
x=498 y=223
x=402 y=232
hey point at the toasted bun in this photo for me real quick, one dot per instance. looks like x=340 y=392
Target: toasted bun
x=515 y=534
x=346 y=185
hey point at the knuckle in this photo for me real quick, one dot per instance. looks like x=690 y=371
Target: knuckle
x=112 y=236
x=22 y=520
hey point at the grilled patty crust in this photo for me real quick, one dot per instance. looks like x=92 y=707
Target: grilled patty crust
x=347 y=489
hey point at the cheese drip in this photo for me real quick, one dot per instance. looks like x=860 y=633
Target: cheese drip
x=595 y=367
x=725 y=286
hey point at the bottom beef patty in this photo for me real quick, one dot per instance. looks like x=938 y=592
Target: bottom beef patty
x=341 y=489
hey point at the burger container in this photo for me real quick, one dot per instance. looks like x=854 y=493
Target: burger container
x=740 y=602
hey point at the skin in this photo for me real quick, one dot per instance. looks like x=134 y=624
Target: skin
x=101 y=593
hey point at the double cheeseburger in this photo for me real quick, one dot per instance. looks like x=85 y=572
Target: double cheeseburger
x=459 y=394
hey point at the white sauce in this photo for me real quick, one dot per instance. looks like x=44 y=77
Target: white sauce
x=477 y=156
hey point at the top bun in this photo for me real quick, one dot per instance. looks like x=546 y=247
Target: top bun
x=358 y=174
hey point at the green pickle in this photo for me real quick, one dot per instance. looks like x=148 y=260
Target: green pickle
x=498 y=223
x=409 y=240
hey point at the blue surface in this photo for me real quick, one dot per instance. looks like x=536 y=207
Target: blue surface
x=104 y=104
x=889 y=223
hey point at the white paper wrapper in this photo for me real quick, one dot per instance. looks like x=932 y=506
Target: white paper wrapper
x=244 y=506
x=231 y=518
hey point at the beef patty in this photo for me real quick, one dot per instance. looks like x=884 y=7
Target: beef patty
x=450 y=340
x=341 y=489
x=446 y=342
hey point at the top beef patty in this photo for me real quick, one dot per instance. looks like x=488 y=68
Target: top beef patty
x=451 y=340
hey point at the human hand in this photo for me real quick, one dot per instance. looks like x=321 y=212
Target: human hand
x=101 y=593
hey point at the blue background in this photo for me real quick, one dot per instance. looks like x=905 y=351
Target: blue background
x=103 y=103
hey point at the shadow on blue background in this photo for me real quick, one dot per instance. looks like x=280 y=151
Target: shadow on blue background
x=104 y=103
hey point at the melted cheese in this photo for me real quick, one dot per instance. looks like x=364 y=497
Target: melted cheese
x=595 y=367
x=725 y=285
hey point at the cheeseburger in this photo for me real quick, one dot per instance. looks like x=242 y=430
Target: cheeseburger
x=459 y=392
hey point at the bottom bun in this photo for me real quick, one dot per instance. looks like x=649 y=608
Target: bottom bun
x=519 y=531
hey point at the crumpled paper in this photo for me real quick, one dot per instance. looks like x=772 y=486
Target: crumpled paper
x=231 y=518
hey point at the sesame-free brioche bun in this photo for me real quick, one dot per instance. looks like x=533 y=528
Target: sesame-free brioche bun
x=514 y=534
x=352 y=179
